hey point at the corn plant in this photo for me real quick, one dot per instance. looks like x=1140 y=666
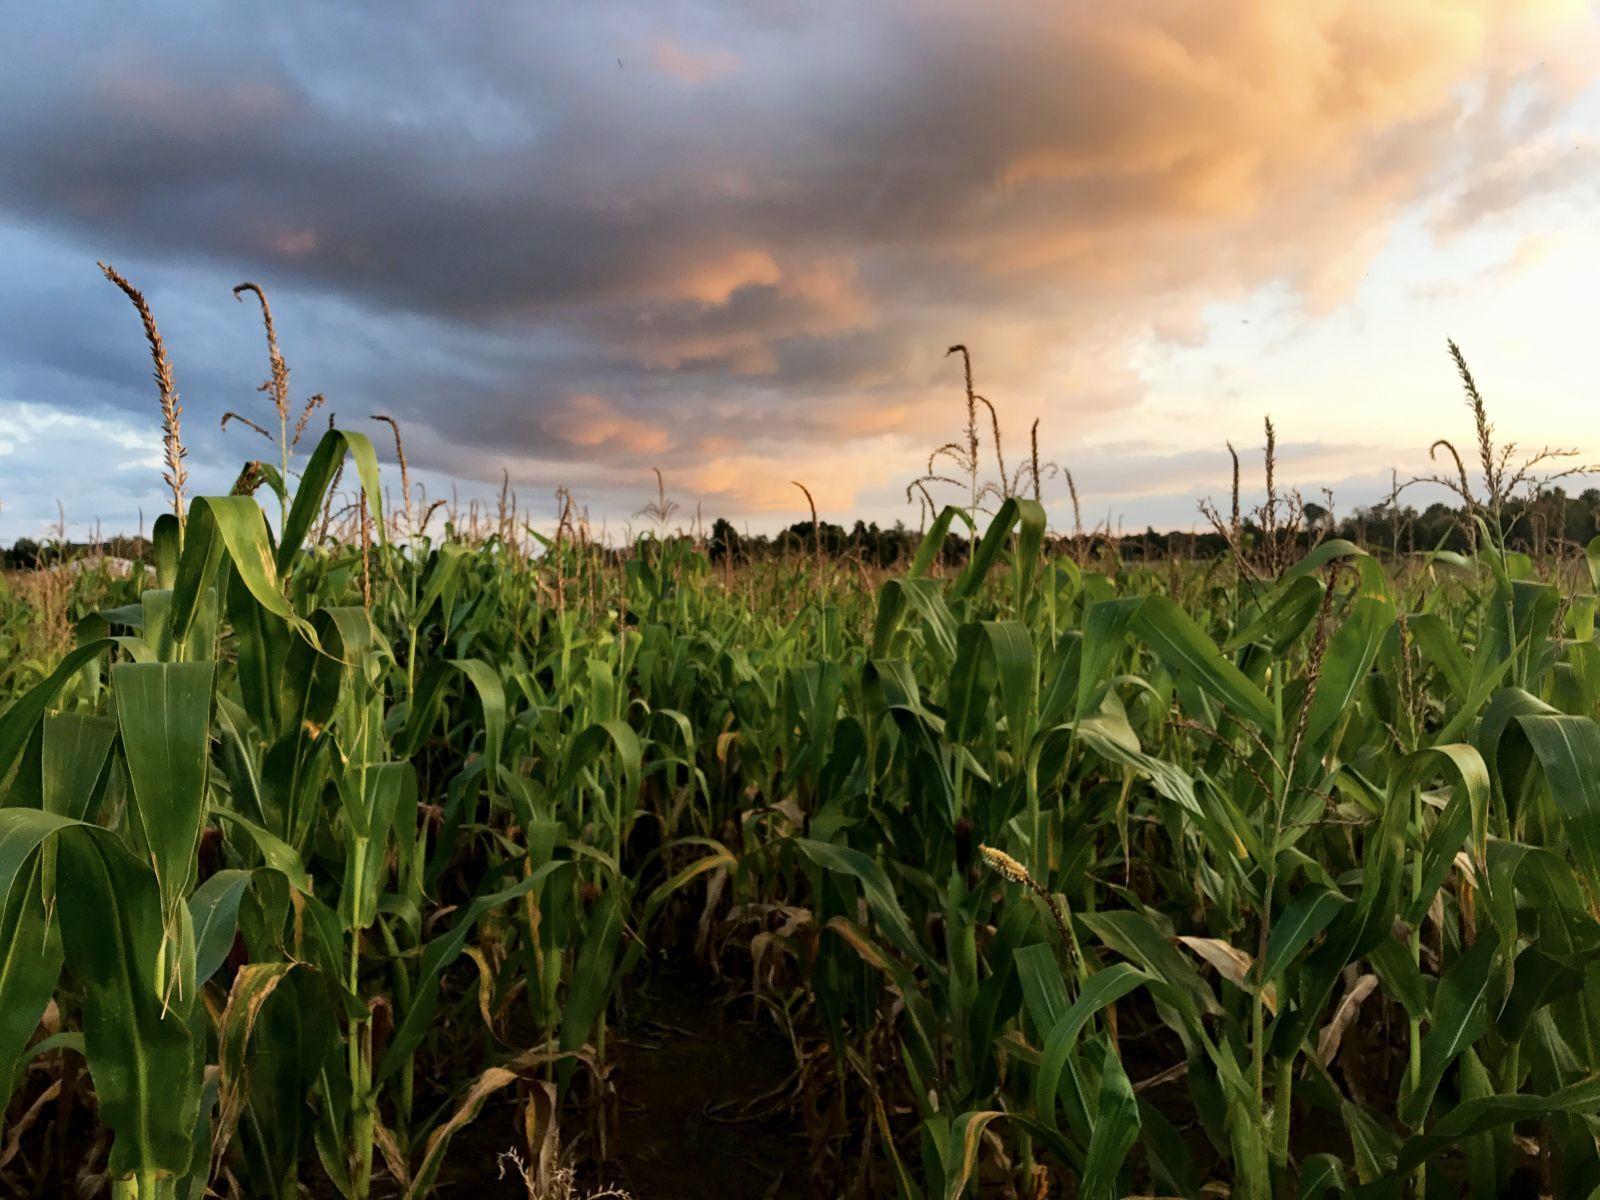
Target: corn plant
x=1061 y=875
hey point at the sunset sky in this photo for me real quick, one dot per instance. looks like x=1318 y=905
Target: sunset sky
x=576 y=241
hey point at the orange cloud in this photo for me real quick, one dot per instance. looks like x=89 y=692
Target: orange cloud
x=764 y=483
x=714 y=281
x=752 y=277
x=294 y=243
x=594 y=423
x=691 y=65
x=189 y=108
x=734 y=311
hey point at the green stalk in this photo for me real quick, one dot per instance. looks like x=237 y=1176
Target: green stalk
x=1282 y=1105
x=402 y=996
x=1036 y=847
x=411 y=665
x=1258 y=1018
x=145 y=1184
x=1414 y=1023
x=358 y=1051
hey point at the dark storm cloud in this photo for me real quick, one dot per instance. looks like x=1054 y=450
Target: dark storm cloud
x=574 y=240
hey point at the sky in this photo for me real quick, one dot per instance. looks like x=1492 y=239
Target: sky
x=573 y=242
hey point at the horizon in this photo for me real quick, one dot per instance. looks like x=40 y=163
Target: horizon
x=578 y=245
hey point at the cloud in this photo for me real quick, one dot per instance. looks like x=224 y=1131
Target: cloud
x=44 y=454
x=692 y=65
x=591 y=422
x=1545 y=169
x=746 y=244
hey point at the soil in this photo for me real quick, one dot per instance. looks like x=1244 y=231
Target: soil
x=702 y=1111
x=704 y=1103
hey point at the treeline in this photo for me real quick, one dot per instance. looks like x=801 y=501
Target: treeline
x=1552 y=522
x=1547 y=524
x=26 y=554
x=866 y=543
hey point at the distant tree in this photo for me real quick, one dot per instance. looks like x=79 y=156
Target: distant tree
x=23 y=555
x=725 y=542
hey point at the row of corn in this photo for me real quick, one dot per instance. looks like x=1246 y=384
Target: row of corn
x=1111 y=881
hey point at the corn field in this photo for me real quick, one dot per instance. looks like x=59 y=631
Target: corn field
x=1060 y=876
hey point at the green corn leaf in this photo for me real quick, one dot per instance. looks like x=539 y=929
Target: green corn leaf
x=448 y=564
x=279 y=855
x=1569 y=750
x=136 y=993
x=1459 y=1017
x=1546 y=879
x=30 y=964
x=292 y=1038
x=719 y=858
x=933 y=541
x=1186 y=650
x=594 y=974
x=1116 y=1128
x=317 y=478
x=166 y=544
x=585 y=750
x=1172 y=1166
x=1102 y=988
x=371 y=798
x=1441 y=646
x=492 y=697
x=1402 y=979
x=1132 y=935
x=164 y=713
x=74 y=751
x=1042 y=987
x=1379 y=898
x=1345 y=664
x=1308 y=914
x=23 y=716
x=263 y=641
x=1105 y=626
x=236 y=527
x=924 y=597
x=214 y=912
x=1479 y=1149
x=1376 y=1147
x=1320 y=556
x=438 y=955
x=992 y=657
x=1281 y=618
x=1028 y=518
x=1494 y=1112
x=1320 y=1175
x=252 y=988
x=886 y=910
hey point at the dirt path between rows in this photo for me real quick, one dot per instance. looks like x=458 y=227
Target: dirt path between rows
x=703 y=1102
